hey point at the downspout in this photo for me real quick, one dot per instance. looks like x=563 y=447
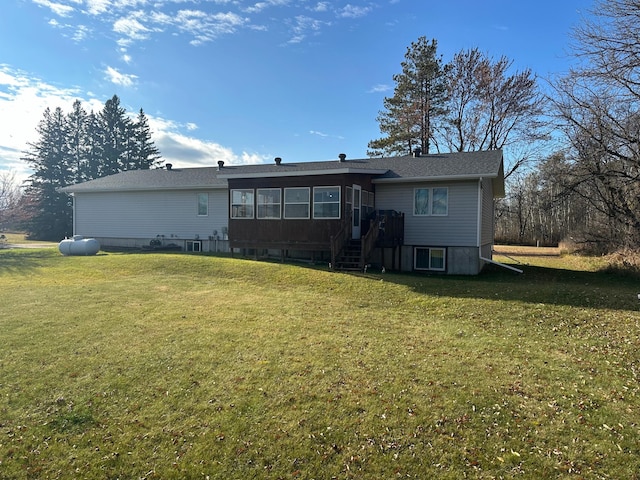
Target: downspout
x=488 y=260
x=73 y=212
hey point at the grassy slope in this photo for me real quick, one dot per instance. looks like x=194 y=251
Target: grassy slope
x=176 y=366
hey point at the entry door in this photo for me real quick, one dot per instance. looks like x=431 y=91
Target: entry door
x=355 y=214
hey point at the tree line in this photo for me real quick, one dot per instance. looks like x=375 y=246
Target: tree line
x=76 y=147
x=572 y=152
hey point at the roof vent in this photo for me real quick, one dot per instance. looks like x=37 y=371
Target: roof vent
x=417 y=151
x=168 y=165
x=342 y=157
x=220 y=164
x=278 y=160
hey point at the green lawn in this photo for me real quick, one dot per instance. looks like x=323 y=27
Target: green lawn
x=174 y=366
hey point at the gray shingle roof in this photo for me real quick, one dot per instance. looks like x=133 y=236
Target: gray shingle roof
x=448 y=166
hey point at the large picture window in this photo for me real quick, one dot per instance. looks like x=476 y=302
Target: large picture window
x=203 y=204
x=296 y=202
x=326 y=202
x=429 y=259
x=242 y=203
x=431 y=201
x=268 y=203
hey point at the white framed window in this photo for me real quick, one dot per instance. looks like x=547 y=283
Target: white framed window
x=242 y=203
x=268 y=203
x=203 y=204
x=296 y=202
x=427 y=258
x=431 y=201
x=326 y=202
x=193 y=246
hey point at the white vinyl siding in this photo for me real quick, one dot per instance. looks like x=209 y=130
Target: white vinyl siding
x=148 y=214
x=457 y=228
x=488 y=219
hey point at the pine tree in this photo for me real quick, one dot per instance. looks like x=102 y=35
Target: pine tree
x=50 y=159
x=95 y=146
x=115 y=129
x=143 y=152
x=418 y=103
x=78 y=142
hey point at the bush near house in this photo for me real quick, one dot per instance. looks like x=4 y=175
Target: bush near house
x=181 y=366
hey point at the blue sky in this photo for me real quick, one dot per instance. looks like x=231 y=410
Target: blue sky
x=245 y=81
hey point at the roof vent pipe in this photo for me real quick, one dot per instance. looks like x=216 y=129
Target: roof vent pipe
x=168 y=165
x=278 y=160
x=417 y=151
x=342 y=157
x=220 y=164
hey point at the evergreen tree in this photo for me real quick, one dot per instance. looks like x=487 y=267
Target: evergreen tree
x=115 y=129
x=418 y=103
x=94 y=147
x=50 y=159
x=78 y=142
x=143 y=152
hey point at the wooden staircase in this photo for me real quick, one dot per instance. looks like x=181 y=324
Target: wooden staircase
x=350 y=258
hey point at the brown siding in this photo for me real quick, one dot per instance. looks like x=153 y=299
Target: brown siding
x=308 y=234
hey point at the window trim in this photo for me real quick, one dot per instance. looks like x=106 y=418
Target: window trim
x=199 y=197
x=258 y=204
x=307 y=203
x=430 y=205
x=245 y=204
x=193 y=246
x=430 y=266
x=339 y=202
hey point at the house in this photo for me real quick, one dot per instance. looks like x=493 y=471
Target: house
x=432 y=213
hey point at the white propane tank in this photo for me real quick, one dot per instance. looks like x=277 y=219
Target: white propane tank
x=78 y=245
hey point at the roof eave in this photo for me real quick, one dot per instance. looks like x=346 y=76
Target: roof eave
x=434 y=178
x=304 y=173
x=144 y=189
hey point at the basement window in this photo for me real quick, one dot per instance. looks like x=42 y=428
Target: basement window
x=432 y=259
x=194 y=246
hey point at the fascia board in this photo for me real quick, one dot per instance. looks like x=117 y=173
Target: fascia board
x=443 y=178
x=301 y=173
x=146 y=189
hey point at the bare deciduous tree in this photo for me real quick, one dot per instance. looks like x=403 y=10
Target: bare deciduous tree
x=598 y=108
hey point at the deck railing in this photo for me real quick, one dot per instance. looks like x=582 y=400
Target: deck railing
x=369 y=239
x=341 y=238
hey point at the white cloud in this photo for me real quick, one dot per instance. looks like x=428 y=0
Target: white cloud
x=321 y=7
x=353 y=11
x=24 y=98
x=97 y=7
x=379 y=88
x=320 y=134
x=117 y=78
x=304 y=24
x=57 y=8
x=131 y=28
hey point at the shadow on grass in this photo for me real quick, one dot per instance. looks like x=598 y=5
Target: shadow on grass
x=537 y=285
x=14 y=260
